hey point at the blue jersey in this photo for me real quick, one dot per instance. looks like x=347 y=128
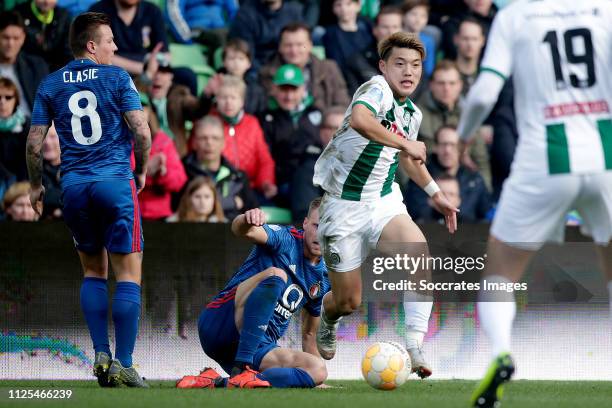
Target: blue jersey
x=86 y=101
x=306 y=283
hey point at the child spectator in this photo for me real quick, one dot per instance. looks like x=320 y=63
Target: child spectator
x=349 y=35
x=416 y=14
x=236 y=62
x=165 y=172
x=245 y=146
x=199 y=203
x=16 y=203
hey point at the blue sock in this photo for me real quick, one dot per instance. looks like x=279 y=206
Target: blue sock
x=126 y=313
x=94 y=303
x=258 y=311
x=287 y=378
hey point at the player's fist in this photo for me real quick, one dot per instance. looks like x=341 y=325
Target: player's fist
x=36 y=199
x=416 y=150
x=255 y=217
x=140 y=180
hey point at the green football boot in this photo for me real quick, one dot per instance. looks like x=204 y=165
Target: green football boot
x=490 y=390
x=101 y=365
x=119 y=375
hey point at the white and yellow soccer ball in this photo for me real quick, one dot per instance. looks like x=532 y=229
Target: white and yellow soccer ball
x=386 y=365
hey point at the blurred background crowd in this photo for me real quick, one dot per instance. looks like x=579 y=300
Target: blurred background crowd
x=243 y=96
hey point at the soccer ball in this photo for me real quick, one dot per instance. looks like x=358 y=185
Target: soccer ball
x=386 y=365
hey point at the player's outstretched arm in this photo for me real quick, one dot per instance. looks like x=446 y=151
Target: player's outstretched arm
x=363 y=121
x=480 y=101
x=249 y=226
x=310 y=324
x=420 y=175
x=34 y=161
x=142 y=144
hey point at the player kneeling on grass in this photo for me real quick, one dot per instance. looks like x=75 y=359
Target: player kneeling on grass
x=240 y=327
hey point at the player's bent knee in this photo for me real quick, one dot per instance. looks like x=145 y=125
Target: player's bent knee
x=348 y=305
x=318 y=371
x=276 y=272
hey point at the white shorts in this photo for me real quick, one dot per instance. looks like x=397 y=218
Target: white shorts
x=348 y=230
x=532 y=210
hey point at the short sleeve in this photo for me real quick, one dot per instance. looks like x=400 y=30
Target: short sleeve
x=277 y=236
x=372 y=95
x=41 y=112
x=128 y=95
x=498 y=55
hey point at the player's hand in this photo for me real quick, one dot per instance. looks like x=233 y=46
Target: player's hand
x=213 y=85
x=255 y=217
x=269 y=190
x=37 y=194
x=152 y=62
x=140 y=180
x=449 y=211
x=416 y=150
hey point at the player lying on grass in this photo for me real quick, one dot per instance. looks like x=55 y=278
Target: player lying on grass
x=362 y=208
x=283 y=274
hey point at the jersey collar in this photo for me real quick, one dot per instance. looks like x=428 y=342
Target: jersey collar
x=407 y=104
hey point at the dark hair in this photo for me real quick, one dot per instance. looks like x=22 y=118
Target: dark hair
x=410 y=4
x=8 y=84
x=473 y=20
x=295 y=27
x=386 y=10
x=440 y=129
x=237 y=44
x=400 y=39
x=11 y=18
x=445 y=65
x=84 y=29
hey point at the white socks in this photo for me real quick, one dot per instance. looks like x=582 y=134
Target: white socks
x=496 y=317
x=417 y=320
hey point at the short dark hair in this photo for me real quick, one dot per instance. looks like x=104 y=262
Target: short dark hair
x=11 y=18
x=400 y=39
x=84 y=29
x=410 y=4
x=386 y=10
x=445 y=65
x=237 y=44
x=295 y=27
x=440 y=129
x=473 y=20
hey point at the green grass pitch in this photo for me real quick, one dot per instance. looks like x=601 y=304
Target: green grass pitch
x=349 y=394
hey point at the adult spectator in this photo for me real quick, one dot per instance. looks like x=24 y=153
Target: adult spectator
x=206 y=160
x=47 y=29
x=449 y=185
x=165 y=172
x=14 y=127
x=482 y=10
x=348 y=35
x=174 y=103
x=25 y=70
x=302 y=196
x=291 y=127
x=361 y=66
x=245 y=145
x=259 y=23
x=52 y=201
x=441 y=106
x=323 y=79
x=475 y=198
x=469 y=41
x=138 y=26
x=16 y=203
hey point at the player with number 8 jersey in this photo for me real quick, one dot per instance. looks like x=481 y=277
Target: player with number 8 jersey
x=97 y=113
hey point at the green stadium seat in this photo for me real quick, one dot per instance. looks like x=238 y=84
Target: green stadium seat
x=192 y=56
x=319 y=51
x=277 y=215
x=159 y=3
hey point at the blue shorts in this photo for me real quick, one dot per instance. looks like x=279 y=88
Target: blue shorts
x=104 y=214
x=219 y=336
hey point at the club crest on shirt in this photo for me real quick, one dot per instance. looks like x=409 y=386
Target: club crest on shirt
x=314 y=290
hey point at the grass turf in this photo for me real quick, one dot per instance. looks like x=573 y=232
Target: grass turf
x=353 y=394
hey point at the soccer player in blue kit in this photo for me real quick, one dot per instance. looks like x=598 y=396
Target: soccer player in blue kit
x=94 y=106
x=240 y=327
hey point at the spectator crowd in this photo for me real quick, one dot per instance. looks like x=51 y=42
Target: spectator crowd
x=279 y=76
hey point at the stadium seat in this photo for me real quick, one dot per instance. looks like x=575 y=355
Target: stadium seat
x=319 y=51
x=277 y=215
x=192 y=56
x=159 y=3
